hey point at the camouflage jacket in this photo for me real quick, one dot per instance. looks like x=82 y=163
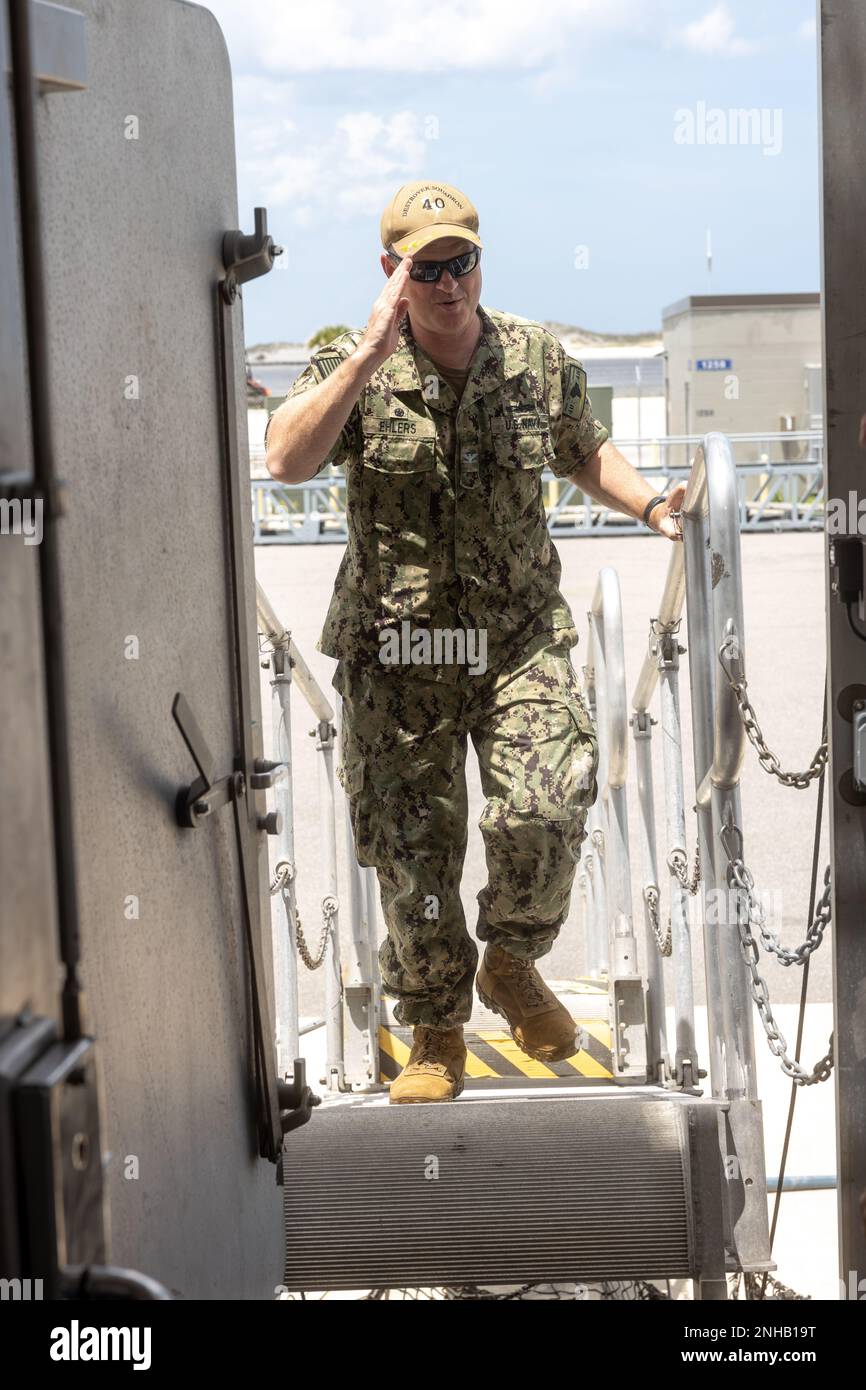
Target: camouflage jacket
x=446 y=519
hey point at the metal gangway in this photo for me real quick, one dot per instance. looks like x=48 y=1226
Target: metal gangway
x=621 y=1163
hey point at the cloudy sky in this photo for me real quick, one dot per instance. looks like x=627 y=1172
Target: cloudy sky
x=599 y=139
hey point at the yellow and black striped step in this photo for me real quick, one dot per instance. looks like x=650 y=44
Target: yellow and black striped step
x=493 y=1053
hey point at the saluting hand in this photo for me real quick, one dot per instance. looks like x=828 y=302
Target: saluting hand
x=382 y=333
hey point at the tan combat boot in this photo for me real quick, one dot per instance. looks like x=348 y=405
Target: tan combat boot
x=435 y=1069
x=541 y=1026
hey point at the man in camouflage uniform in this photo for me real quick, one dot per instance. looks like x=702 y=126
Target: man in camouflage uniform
x=447 y=621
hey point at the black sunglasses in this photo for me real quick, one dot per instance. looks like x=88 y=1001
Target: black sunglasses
x=431 y=271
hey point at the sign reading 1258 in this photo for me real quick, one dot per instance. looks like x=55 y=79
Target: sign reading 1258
x=714 y=364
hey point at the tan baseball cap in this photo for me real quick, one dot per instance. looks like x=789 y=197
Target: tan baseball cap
x=423 y=212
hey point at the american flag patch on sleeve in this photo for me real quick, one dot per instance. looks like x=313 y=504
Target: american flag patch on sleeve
x=325 y=365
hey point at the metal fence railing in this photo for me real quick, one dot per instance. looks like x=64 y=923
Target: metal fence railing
x=351 y=986
x=780 y=487
x=705 y=579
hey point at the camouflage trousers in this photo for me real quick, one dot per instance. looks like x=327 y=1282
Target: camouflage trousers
x=403 y=755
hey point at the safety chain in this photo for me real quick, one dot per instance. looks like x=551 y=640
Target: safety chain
x=768 y=760
x=678 y=863
x=814 y=933
x=329 y=911
x=651 y=897
x=283 y=874
x=738 y=874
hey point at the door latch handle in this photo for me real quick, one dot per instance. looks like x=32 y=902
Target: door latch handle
x=203 y=796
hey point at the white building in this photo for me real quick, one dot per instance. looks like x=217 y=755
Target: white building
x=743 y=363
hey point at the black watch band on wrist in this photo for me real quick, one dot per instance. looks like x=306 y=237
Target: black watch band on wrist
x=653 y=502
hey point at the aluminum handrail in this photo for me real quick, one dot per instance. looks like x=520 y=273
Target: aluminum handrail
x=351 y=995
x=706 y=570
x=606 y=622
x=280 y=637
x=711 y=497
x=611 y=939
x=674 y=592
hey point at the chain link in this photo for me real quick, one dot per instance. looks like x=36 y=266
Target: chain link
x=678 y=862
x=739 y=875
x=768 y=760
x=284 y=874
x=651 y=898
x=741 y=879
x=814 y=933
x=329 y=911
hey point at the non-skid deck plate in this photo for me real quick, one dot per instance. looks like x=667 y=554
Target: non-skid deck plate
x=500 y=1192
x=492 y=1052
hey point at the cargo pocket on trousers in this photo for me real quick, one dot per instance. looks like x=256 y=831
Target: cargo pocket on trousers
x=585 y=753
x=351 y=777
x=351 y=773
x=545 y=772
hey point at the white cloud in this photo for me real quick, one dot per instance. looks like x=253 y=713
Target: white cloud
x=346 y=172
x=277 y=48
x=410 y=35
x=714 y=35
x=294 y=164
